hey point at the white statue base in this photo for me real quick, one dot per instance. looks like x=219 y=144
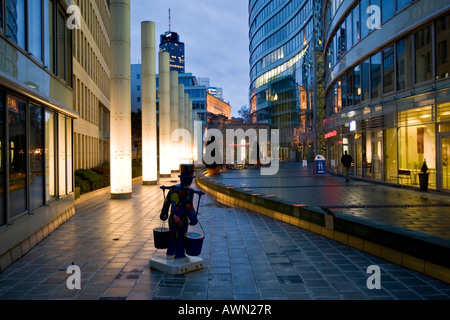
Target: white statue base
x=176 y=266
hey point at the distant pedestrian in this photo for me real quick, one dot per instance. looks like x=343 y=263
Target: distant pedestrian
x=347 y=162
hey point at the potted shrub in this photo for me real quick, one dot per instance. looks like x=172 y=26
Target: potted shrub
x=423 y=177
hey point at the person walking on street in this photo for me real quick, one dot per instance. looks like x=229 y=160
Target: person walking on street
x=347 y=162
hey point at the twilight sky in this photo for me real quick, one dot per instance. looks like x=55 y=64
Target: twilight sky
x=215 y=34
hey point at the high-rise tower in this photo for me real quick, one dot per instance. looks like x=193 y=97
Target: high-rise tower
x=170 y=42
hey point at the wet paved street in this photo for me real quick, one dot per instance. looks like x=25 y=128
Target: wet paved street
x=427 y=212
x=247 y=256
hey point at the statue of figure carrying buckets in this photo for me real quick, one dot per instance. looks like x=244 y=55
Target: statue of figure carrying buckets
x=182 y=213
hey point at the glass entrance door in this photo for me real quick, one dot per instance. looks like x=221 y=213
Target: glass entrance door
x=445 y=163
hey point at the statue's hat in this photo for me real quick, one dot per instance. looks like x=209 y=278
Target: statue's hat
x=186 y=170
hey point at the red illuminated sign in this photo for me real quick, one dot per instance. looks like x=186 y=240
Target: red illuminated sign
x=331 y=134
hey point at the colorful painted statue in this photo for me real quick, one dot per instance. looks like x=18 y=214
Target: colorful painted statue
x=182 y=213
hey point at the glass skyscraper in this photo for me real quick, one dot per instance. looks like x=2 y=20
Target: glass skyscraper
x=170 y=42
x=284 y=62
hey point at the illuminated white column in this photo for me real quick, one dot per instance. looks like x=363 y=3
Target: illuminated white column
x=191 y=126
x=188 y=144
x=174 y=116
x=181 y=117
x=165 y=168
x=149 y=126
x=120 y=100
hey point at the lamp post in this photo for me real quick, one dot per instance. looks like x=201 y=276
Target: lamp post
x=120 y=100
x=149 y=124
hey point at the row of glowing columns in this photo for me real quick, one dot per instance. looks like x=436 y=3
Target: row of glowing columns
x=175 y=108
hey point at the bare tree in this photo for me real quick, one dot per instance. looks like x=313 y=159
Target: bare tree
x=246 y=114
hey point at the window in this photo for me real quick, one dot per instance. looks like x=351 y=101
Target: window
x=422 y=40
x=404 y=63
x=349 y=29
x=60 y=44
x=35 y=28
x=344 y=91
x=402 y=3
x=17 y=156
x=36 y=157
x=2 y=159
x=15 y=23
x=387 y=10
x=364 y=18
x=50 y=172
x=62 y=154
x=365 y=80
x=356 y=24
x=349 y=86
x=49 y=30
x=69 y=168
x=375 y=74
x=357 y=84
x=442 y=47
x=388 y=70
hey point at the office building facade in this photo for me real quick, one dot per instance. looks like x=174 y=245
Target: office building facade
x=36 y=120
x=387 y=89
x=91 y=77
x=285 y=63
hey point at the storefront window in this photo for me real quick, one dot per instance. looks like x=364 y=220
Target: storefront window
x=423 y=49
x=69 y=154
x=417 y=144
x=443 y=47
x=17 y=156
x=36 y=157
x=50 y=190
x=62 y=154
x=390 y=155
x=404 y=63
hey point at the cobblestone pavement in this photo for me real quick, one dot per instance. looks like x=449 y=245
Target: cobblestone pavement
x=247 y=256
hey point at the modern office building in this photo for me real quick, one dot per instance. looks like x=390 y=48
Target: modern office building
x=91 y=76
x=170 y=42
x=36 y=123
x=285 y=72
x=387 y=84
